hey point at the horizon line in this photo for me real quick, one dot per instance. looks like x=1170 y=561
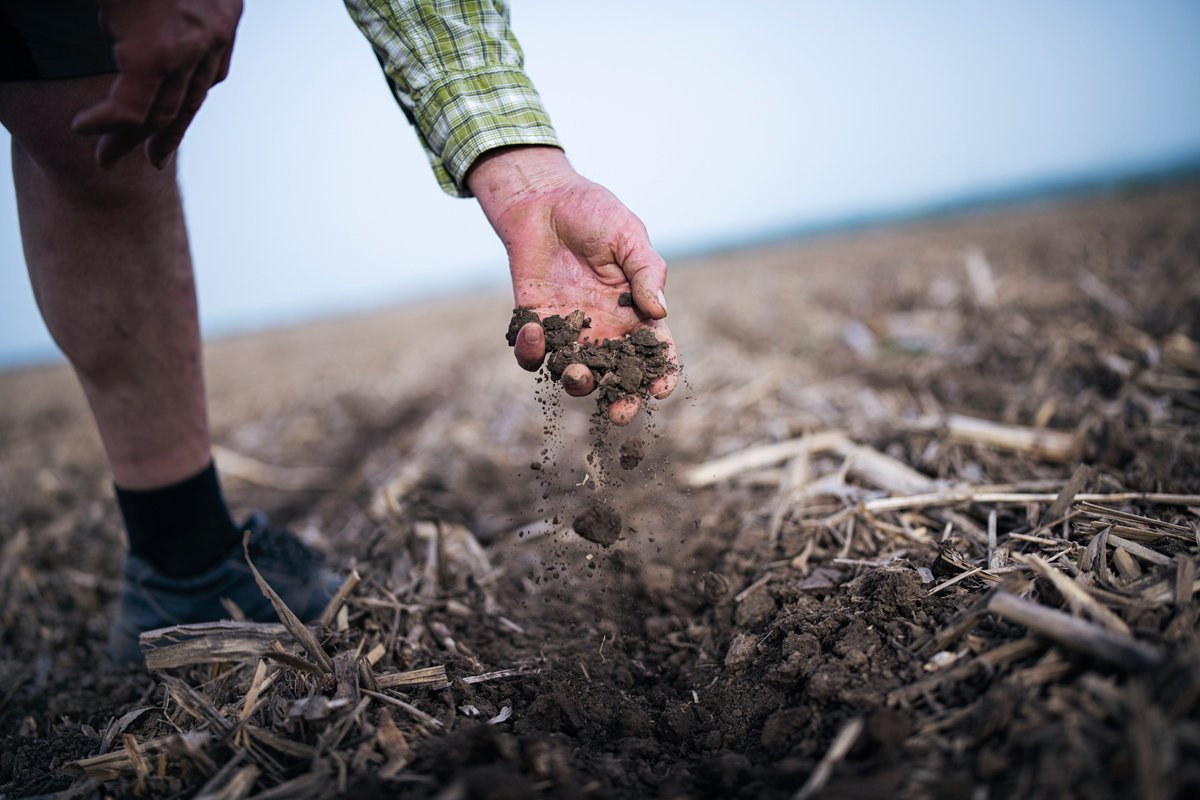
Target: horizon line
x=1147 y=174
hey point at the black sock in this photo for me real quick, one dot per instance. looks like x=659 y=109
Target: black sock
x=182 y=529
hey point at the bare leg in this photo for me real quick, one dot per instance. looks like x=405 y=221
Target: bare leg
x=109 y=263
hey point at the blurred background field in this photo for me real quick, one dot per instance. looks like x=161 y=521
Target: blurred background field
x=720 y=124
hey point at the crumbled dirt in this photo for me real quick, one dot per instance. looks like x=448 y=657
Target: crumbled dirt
x=599 y=523
x=620 y=367
x=722 y=642
x=632 y=452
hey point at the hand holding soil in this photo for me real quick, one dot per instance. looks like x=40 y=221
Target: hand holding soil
x=623 y=370
x=573 y=247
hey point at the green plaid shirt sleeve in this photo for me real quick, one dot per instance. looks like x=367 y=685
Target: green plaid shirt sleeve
x=457 y=72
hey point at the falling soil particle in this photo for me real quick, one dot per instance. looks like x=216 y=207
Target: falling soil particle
x=620 y=367
x=632 y=453
x=599 y=524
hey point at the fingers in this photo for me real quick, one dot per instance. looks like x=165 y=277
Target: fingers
x=121 y=117
x=530 y=348
x=171 y=94
x=663 y=385
x=577 y=380
x=162 y=144
x=622 y=411
x=647 y=275
x=144 y=106
x=226 y=59
x=127 y=105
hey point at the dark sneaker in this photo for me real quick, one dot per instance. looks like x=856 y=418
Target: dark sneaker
x=152 y=600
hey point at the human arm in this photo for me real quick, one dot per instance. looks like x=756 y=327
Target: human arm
x=169 y=53
x=572 y=245
x=457 y=71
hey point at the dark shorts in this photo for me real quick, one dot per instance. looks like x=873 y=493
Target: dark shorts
x=47 y=39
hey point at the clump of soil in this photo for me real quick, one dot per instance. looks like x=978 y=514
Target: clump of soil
x=599 y=524
x=620 y=367
x=632 y=452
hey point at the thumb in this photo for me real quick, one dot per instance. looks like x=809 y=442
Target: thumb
x=647 y=275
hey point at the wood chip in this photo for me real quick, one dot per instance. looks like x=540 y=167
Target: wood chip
x=841 y=746
x=1126 y=566
x=1054 y=446
x=250 y=470
x=753 y=458
x=959 y=577
x=1185 y=577
x=1080 y=601
x=302 y=634
x=1075 y=634
x=412 y=710
x=206 y=642
x=428 y=676
x=1058 y=509
x=1141 y=551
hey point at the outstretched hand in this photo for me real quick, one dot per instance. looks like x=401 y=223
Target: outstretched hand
x=572 y=245
x=169 y=53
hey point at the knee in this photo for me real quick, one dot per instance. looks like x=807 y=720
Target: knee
x=66 y=163
x=46 y=150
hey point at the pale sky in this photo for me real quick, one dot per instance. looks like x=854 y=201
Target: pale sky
x=307 y=193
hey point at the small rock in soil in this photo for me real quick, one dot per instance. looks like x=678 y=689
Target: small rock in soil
x=742 y=650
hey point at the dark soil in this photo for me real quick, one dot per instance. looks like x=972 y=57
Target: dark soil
x=632 y=452
x=599 y=524
x=718 y=644
x=620 y=367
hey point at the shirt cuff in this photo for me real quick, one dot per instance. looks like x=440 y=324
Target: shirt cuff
x=468 y=113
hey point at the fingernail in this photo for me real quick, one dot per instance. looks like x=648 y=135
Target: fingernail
x=532 y=335
x=662 y=300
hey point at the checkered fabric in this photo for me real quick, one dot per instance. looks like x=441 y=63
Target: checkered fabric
x=457 y=71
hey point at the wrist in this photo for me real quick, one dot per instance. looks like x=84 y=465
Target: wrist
x=508 y=177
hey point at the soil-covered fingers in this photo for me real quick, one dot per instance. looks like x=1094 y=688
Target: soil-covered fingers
x=663 y=385
x=622 y=411
x=577 y=380
x=530 y=347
